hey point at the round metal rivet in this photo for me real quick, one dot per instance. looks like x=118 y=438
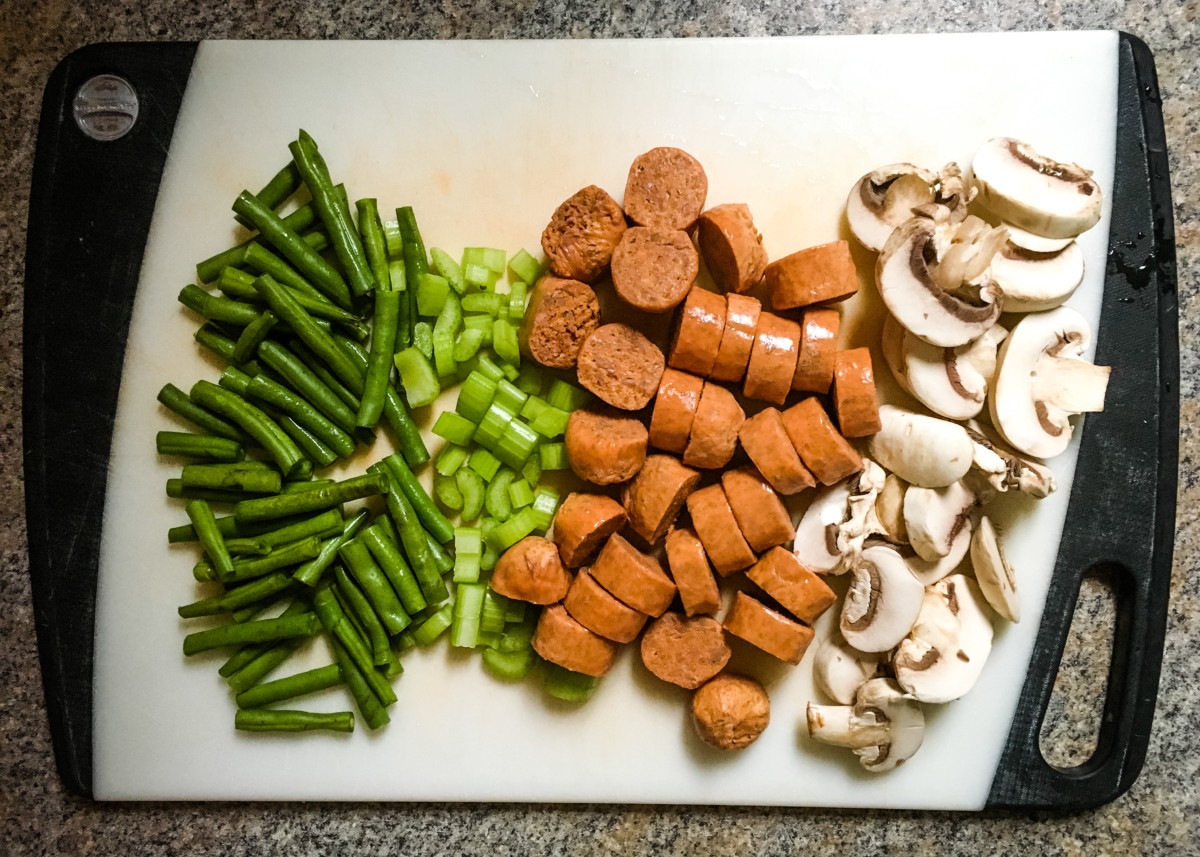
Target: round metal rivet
x=106 y=107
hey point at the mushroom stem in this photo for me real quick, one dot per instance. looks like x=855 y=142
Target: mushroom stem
x=1071 y=384
x=840 y=726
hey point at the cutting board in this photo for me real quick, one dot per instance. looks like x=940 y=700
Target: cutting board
x=484 y=139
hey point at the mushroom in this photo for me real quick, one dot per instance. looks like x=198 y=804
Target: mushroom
x=943 y=655
x=860 y=520
x=884 y=727
x=1033 y=280
x=884 y=198
x=924 y=451
x=839 y=669
x=889 y=510
x=923 y=268
x=993 y=573
x=1036 y=193
x=831 y=531
x=934 y=517
x=882 y=602
x=1043 y=379
x=1004 y=469
x=951 y=382
x=1038 y=244
x=928 y=572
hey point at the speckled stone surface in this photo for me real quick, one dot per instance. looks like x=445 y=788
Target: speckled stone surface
x=1160 y=815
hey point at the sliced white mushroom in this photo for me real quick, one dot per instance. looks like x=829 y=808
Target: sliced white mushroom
x=891 y=344
x=860 y=520
x=889 y=510
x=1033 y=281
x=1005 y=469
x=993 y=573
x=816 y=544
x=884 y=198
x=882 y=602
x=929 y=572
x=1037 y=243
x=884 y=727
x=934 y=517
x=1036 y=193
x=954 y=192
x=1042 y=380
x=922 y=450
x=951 y=382
x=839 y=669
x=942 y=657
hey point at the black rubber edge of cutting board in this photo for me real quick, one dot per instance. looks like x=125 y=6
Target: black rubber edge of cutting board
x=1121 y=516
x=89 y=215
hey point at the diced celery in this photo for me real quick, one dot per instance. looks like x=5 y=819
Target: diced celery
x=479 y=277
x=514 y=529
x=488 y=561
x=493 y=426
x=526 y=268
x=545 y=504
x=490 y=367
x=471 y=486
x=445 y=265
x=395 y=242
x=566 y=396
x=567 y=685
x=509 y=666
x=533 y=408
x=511 y=396
x=515 y=611
x=434 y=626
x=468 y=607
x=488 y=302
x=488 y=257
x=475 y=396
x=553 y=456
x=509 y=370
x=516 y=444
x=445 y=488
x=532 y=471
x=416 y=375
x=530 y=380
x=516 y=301
x=468 y=548
x=491 y=619
x=443 y=353
x=432 y=291
x=423 y=338
x=454 y=428
x=496 y=497
x=450 y=459
x=520 y=494
x=504 y=342
x=468 y=344
x=551 y=422
x=398 y=276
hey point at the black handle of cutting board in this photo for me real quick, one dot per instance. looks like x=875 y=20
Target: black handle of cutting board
x=1121 y=517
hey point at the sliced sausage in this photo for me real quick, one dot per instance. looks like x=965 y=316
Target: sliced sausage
x=718 y=530
x=715 y=429
x=767 y=629
x=800 y=591
x=531 y=570
x=760 y=513
x=674 y=410
x=595 y=608
x=634 y=577
x=692 y=573
x=653 y=269
x=854 y=393
x=560 y=315
x=822 y=448
x=818 y=342
x=563 y=641
x=772 y=359
x=697 y=337
x=732 y=247
x=685 y=651
x=737 y=340
x=581 y=236
x=582 y=523
x=653 y=499
x=621 y=366
x=731 y=711
x=604 y=449
x=769 y=447
x=666 y=188
x=816 y=275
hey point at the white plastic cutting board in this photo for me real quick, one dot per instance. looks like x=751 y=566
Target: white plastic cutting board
x=484 y=139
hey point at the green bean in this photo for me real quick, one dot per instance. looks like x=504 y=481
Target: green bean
x=235 y=380
x=262 y=261
x=216 y=308
x=244 y=569
x=201 y=516
x=229 y=527
x=310 y=573
x=337 y=624
x=415 y=264
x=393 y=564
x=325 y=497
x=368 y=619
x=416 y=546
x=232 y=477
x=369 y=706
x=208 y=270
x=258 y=631
x=434 y=521
x=247 y=547
x=253 y=334
x=441 y=559
x=253 y=421
x=221 y=345
x=240 y=286
x=276 y=720
x=174 y=399
x=245 y=655
x=278 y=396
x=305 y=382
x=234 y=599
x=379 y=362
x=319 y=369
x=177 y=491
x=370 y=229
x=311 y=445
x=290 y=687
x=203 y=446
x=275 y=192
x=375 y=585
x=408 y=436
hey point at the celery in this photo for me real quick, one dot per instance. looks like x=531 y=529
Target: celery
x=493 y=425
x=416 y=376
x=520 y=494
x=504 y=342
x=553 y=456
x=475 y=396
x=469 y=342
x=551 y=422
x=487 y=257
x=516 y=444
x=486 y=302
x=468 y=548
x=529 y=381
x=471 y=486
x=510 y=396
x=545 y=504
x=566 y=685
x=423 y=338
x=479 y=277
x=532 y=471
x=432 y=292
x=433 y=627
x=450 y=459
x=484 y=463
x=468 y=607
x=566 y=396
x=509 y=666
x=445 y=488
x=491 y=619
x=526 y=268
x=445 y=265
x=514 y=529
x=496 y=497
x=516 y=301
x=454 y=428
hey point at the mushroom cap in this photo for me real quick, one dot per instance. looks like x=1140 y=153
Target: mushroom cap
x=882 y=602
x=1033 y=192
x=816 y=542
x=889 y=510
x=951 y=382
x=993 y=573
x=943 y=655
x=839 y=669
x=1033 y=281
x=934 y=517
x=928 y=572
x=1037 y=243
x=884 y=198
x=902 y=712
x=925 y=451
x=1005 y=469
x=891 y=344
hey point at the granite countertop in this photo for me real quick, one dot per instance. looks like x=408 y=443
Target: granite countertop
x=1159 y=815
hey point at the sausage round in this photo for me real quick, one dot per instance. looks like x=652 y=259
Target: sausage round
x=655 y=496
x=582 y=234
x=731 y=246
x=737 y=341
x=692 y=573
x=604 y=449
x=621 y=366
x=818 y=342
x=666 y=188
x=760 y=513
x=718 y=530
x=563 y=641
x=767 y=629
x=652 y=269
x=773 y=359
x=769 y=447
x=731 y=711
x=685 y=651
x=854 y=393
x=560 y=315
x=531 y=570
x=800 y=591
x=821 y=447
x=674 y=410
x=595 y=608
x=633 y=577
x=815 y=275
x=715 y=429
x=582 y=523
x=697 y=336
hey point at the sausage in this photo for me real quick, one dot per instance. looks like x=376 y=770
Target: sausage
x=582 y=234
x=604 y=449
x=718 y=530
x=800 y=591
x=769 y=447
x=773 y=359
x=731 y=711
x=818 y=341
x=655 y=496
x=531 y=570
x=563 y=641
x=854 y=393
x=767 y=629
x=737 y=340
x=666 y=188
x=560 y=315
x=582 y=523
x=759 y=512
x=633 y=577
x=822 y=448
x=595 y=608
x=692 y=573
x=731 y=246
x=685 y=651
x=697 y=336
x=674 y=410
x=821 y=274
x=620 y=366
x=715 y=429
x=653 y=269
